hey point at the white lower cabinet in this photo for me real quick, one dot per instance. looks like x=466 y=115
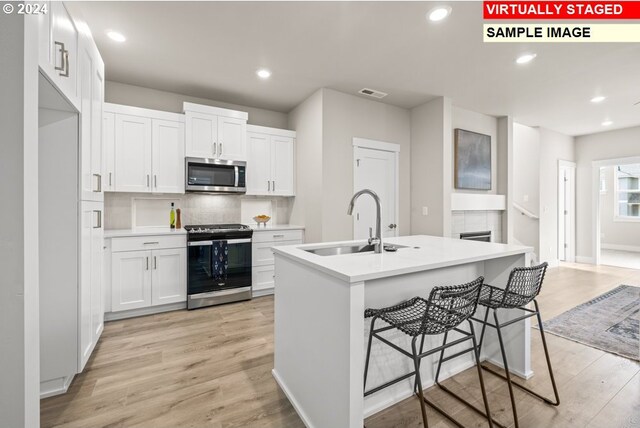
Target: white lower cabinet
x=142 y=278
x=263 y=263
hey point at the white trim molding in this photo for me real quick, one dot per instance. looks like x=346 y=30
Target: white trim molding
x=585 y=259
x=633 y=248
x=376 y=145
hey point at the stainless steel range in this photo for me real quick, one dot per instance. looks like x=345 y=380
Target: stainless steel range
x=219 y=264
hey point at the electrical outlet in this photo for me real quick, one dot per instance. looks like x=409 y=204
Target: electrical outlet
x=425 y=210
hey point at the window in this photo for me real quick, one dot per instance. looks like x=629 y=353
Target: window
x=627 y=182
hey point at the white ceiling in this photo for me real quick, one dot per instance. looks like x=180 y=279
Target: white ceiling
x=212 y=50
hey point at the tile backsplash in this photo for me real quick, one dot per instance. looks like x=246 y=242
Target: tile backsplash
x=127 y=210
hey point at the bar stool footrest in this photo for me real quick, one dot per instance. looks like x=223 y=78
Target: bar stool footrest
x=522 y=387
x=468 y=404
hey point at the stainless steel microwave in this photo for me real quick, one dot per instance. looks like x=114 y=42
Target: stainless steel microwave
x=215 y=175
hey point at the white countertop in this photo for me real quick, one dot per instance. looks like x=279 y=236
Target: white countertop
x=143 y=231
x=433 y=252
x=271 y=227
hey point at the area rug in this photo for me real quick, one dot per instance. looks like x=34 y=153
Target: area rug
x=610 y=322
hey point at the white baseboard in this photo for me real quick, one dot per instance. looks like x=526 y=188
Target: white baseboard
x=584 y=259
x=525 y=376
x=112 y=316
x=265 y=292
x=634 y=248
x=292 y=400
x=53 y=387
x=553 y=263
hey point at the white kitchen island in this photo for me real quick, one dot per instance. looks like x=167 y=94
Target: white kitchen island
x=320 y=330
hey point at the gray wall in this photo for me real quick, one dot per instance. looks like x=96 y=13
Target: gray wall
x=137 y=96
x=604 y=145
x=615 y=234
x=346 y=116
x=553 y=147
x=19 y=300
x=306 y=119
x=431 y=167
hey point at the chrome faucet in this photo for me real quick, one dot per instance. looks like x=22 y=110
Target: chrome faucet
x=377 y=240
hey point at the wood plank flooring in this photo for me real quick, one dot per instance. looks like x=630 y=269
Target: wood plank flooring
x=212 y=368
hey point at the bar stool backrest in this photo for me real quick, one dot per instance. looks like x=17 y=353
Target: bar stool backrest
x=449 y=306
x=523 y=286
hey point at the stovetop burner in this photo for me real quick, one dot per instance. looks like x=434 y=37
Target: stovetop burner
x=214 y=228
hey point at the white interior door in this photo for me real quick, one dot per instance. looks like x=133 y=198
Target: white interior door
x=566 y=211
x=375 y=170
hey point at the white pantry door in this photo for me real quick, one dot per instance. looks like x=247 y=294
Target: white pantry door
x=375 y=170
x=566 y=211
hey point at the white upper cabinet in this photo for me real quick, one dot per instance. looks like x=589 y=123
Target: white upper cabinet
x=202 y=135
x=167 y=150
x=144 y=150
x=133 y=153
x=58 y=49
x=215 y=133
x=109 y=151
x=91 y=74
x=232 y=134
x=282 y=166
x=270 y=161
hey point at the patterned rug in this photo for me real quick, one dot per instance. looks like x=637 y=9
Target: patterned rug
x=610 y=322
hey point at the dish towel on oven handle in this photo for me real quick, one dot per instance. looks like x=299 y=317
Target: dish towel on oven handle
x=220 y=260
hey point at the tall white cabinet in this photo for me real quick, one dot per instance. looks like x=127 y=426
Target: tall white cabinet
x=144 y=150
x=70 y=198
x=215 y=133
x=270 y=161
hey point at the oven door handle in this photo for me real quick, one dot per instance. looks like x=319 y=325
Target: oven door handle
x=237 y=241
x=199 y=243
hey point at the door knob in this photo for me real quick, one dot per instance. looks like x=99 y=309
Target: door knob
x=393 y=226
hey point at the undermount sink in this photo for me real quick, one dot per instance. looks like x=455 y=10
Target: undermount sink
x=347 y=249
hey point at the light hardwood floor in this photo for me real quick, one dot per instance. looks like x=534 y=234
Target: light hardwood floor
x=212 y=368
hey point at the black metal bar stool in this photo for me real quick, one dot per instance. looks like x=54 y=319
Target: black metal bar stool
x=522 y=288
x=444 y=311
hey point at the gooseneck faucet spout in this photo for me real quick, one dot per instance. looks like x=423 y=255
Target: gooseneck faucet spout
x=376 y=241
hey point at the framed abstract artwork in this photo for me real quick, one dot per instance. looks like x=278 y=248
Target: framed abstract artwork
x=472 y=160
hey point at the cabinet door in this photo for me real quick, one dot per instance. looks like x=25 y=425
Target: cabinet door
x=97 y=101
x=169 y=276
x=258 y=164
x=133 y=154
x=130 y=280
x=64 y=54
x=232 y=134
x=109 y=151
x=44 y=36
x=97 y=264
x=88 y=182
x=201 y=135
x=262 y=278
x=282 y=168
x=168 y=156
x=88 y=220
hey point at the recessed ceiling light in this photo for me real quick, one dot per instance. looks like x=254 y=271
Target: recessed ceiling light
x=115 y=36
x=598 y=99
x=439 y=13
x=263 y=73
x=523 y=59
x=607 y=123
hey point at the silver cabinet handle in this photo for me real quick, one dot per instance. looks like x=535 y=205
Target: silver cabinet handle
x=66 y=62
x=150 y=243
x=155 y=263
x=268 y=186
x=109 y=179
x=278 y=236
x=147 y=259
x=148 y=180
x=62 y=51
x=155 y=181
x=220 y=150
x=215 y=149
x=274 y=185
x=99 y=183
x=99 y=225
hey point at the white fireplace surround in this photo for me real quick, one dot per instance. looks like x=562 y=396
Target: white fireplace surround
x=477 y=221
